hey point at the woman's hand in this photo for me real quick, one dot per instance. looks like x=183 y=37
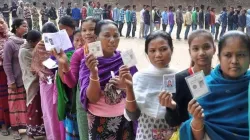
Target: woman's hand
x=91 y=62
x=166 y=99
x=60 y=57
x=196 y=111
x=117 y=82
x=125 y=76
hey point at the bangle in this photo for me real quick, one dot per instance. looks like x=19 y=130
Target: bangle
x=129 y=101
x=197 y=130
x=95 y=80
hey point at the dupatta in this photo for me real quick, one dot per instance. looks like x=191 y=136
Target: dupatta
x=225 y=108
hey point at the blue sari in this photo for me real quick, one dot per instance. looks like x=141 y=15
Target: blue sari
x=225 y=108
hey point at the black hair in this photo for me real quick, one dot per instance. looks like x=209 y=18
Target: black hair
x=116 y=3
x=179 y=6
x=49 y=27
x=105 y=5
x=212 y=9
x=76 y=32
x=109 y=7
x=33 y=36
x=92 y=19
x=101 y=23
x=157 y=34
x=202 y=6
x=44 y=4
x=224 y=8
x=239 y=6
x=69 y=3
x=198 y=33
x=128 y=6
x=208 y=7
x=170 y=8
x=34 y=3
x=90 y=2
x=197 y=8
x=16 y=24
x=233 y=34
x=147 y=6
x=67 y=21
x=134 y=6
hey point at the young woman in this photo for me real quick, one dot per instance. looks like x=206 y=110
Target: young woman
x=67 y=23
x=98 y=93
x=142 y=101
x=71 y=73
x=201 y=49
x=77 y=39
x=4 y=107
x=223 y=113
x=48 y=96
x=17 y=94
x=35 y=126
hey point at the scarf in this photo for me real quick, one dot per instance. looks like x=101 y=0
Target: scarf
x=63 y=101
x=147 y=85
x=105 y=66
x=225 y=108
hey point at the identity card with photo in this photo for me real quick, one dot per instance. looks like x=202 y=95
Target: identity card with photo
x=197 y=85
x=95 y=48
x=50 y=64
x=169 y=83
x=128 y=58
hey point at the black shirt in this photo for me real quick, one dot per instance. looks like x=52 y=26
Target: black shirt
x=182 y=97
x=13 y=10
x=69 y=11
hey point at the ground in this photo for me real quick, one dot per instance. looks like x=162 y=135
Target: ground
x=180 y=58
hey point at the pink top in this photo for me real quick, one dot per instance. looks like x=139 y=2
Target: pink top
x=72 y=76
x=101 y=108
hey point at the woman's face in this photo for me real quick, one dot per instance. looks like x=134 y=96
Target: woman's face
x=109 y=37
x=234 y=58
x=23 y=29
x=78 y=42
x=88 y=31
x=202 y=51
x=2 y=26
x=159 y=52
x=68 y=29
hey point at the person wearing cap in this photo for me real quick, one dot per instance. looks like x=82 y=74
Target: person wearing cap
x=61 y=10
x=45 y=13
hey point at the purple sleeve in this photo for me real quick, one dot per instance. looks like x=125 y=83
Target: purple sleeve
x=7 y=62
x=71 y=77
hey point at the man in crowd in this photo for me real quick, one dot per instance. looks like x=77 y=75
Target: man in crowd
x=164 y=16
x=146 y=20
x=84 y=11
x=52 y=14
x=98 y=11
x=27 y=15
x=128 y=21
x=134 y=20
x=207 y=18
x=223 y=18
x=13 y=10
x=212 y=20
x=116 y=13
x=69 y=10
x=201 y=17
x=90 y=9
x=61 y=10
x=141 y=32
x=122 y=19
x=20 y=10
x=179 y=21
x=230 y=19
x=45 y=13
x=6 y=14
x=195 y=18
x=188 y=21
x=76 y=15
x=171 y=19
x=35 y=17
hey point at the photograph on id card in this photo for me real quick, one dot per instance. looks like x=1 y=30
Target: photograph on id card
x=169 y=83
x=197 y=85
x=128 y=58
x=95 y=48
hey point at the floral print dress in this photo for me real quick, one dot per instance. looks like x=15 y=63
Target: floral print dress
x=113 y=128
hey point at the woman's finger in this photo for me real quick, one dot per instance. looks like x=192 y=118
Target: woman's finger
x=197 y=111
x=190 y=104
x=193 y=107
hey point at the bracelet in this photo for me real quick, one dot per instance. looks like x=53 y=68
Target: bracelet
x=196 y=129
x=129 y=101
x=95 y=80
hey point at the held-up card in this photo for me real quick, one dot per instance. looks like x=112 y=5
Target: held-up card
x=128 y=58
x=112 y=74
x=169 y=83
x=95 y=48
x=197 y=85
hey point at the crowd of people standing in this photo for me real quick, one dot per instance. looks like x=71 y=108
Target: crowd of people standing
x=82 y=100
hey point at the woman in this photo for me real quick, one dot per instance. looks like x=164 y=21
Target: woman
x=4 y=108
x=77 y=39
x=105 y=113
x=202 y=49
x=17 y=94
x=67 y=23
x=223 y=113
x=142 y=101
x=71 y=73
x=35 y=126
x=47 y=93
